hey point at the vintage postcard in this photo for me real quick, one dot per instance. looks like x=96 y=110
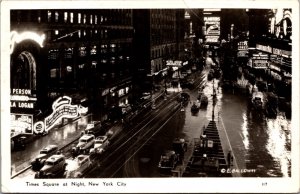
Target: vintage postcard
x=149 y=96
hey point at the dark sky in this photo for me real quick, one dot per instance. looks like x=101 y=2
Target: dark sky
x=238 y=17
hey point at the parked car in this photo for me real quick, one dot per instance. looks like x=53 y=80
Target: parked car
x=77 y=167
x=85 y=142
x=53 y=168
x=38 y=162
x=101 y=143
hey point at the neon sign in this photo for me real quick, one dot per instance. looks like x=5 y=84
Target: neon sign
x=21 y=123
x=62 y=108
x=22 y=98
x=17 y=38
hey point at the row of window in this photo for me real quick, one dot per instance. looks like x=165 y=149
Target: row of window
x=92 y=34
x=162 y=52
x=121 y=17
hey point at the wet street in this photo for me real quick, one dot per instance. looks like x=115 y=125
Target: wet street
x=59 y=136
x=259 y=144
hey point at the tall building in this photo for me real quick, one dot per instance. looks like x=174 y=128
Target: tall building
x=159 y=36
x=270 y=36
x=84 y=54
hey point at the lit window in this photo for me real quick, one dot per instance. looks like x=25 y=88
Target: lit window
x=56 y=16
x=91 y=19
x=84 y=33
x=39 y=19
x=71 y=17
x=79 y=18
x=96 y=19
x=101 y=19
x=94 y=50
x=94 y=64
x=66 y=17
x=49 y=16
x=79 y=33
x=56 y=32
x=84 y=18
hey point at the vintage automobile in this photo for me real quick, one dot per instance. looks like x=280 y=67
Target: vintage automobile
x=101 y=143
x=257 y=101
x=84 y=144
x=180 y=147
x=54 y=167
x=92 y=128
x=77 y=167
x=168 y=161
x=203 y=101
x=38 y=162
x=195 y=107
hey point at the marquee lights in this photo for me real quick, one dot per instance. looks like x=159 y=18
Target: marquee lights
x=27 y=35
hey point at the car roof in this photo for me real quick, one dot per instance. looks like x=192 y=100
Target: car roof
x=49 y=147
x=54 y=158
x=101 y=137
x=81 y=157
x=87 y=136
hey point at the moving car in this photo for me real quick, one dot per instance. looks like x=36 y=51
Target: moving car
x=168 y=161
x=54 y=167
x=77 y=167
x=85 y=142
x=92 y=128
x=38 y=162
x=101 y=143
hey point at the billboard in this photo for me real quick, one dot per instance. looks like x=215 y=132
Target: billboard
x=212 y=26
x=22 y=98
x=21 y=124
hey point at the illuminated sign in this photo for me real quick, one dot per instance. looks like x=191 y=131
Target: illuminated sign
x=21 y=123
x=281 y=52
x=174 y=63
x=15 y=37
x=212 y=39
x=242 y=46
x=260 y=64
x=242 y=54
x=212 y=19
x=213 y=9
x=264 y=48
x=22 y=98
x=62 y=108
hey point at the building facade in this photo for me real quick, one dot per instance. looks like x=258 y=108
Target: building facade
x=84 y=54
x=159 y=36
x=270 y=44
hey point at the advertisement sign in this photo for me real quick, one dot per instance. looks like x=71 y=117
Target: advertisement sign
x=22 y=98
x=21 y=123
x=242 y=54
x=212 y=39
x=62 y=108
x=212 y=26
x=243 y=46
